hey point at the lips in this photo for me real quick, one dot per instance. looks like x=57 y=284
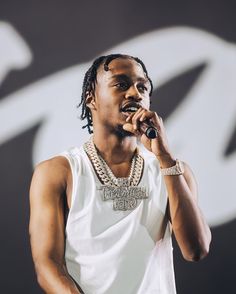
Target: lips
x=130 y=107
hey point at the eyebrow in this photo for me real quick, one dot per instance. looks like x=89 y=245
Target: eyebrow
x=123 y=76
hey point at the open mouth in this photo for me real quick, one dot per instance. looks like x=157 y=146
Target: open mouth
x=127 y=110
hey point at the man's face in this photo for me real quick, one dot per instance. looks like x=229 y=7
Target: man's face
x=120 y=91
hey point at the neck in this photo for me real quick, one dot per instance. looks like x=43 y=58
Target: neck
x=113 y=148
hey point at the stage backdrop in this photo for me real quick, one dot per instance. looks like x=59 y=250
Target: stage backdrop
x=189 y=50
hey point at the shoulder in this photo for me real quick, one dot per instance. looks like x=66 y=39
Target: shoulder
x=54 y=171
x=58 y=164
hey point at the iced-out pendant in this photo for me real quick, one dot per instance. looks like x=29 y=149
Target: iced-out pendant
x=124 y=197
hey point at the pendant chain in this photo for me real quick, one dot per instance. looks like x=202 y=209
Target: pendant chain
x=124 y=192
x=105 y=173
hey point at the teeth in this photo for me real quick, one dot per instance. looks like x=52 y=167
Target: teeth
x=130 y=109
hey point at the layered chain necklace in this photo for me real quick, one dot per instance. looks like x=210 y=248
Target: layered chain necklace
x=123 y=191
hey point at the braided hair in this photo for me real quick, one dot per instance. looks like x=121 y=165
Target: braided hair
x=90 y=80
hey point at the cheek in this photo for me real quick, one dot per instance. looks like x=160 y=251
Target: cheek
x=146 y=103
x=107 y=108
x=108 y=100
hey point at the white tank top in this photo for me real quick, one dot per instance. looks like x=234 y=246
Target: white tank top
x=118 y=252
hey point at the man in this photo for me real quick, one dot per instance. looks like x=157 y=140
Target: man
x=101 y=214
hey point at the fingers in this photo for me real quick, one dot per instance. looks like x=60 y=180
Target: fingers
x=132 y=119
x=130 y=128
x=140 y=115
x=136 y=118
x=132 y=124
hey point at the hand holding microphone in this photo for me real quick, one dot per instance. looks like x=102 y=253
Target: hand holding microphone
x=140 y=120
x=149 y=123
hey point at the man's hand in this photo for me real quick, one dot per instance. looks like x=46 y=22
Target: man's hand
x=159 y=145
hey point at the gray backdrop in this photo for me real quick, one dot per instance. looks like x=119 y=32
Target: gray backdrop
x=189 y=49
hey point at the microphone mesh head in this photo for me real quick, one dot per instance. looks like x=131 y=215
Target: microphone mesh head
x=151 y=133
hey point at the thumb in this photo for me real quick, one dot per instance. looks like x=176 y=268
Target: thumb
x=130 y=128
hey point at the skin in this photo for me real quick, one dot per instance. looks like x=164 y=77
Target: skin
x=115 y=136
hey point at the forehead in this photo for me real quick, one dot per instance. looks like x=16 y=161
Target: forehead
x=121 y=66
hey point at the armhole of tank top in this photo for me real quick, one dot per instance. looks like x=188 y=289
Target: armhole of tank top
x=72 y=162
x=167 y=216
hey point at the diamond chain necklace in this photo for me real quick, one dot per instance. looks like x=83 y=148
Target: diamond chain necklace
x=123 y=191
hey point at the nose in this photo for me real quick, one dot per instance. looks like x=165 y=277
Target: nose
x=133 y=93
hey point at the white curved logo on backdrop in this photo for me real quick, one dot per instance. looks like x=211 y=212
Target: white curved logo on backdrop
x=198 y=130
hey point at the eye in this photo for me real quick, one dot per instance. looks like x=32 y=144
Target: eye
x=122 y=85
x=142 y=87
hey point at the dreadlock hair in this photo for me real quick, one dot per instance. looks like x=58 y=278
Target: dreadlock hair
x=90 y=80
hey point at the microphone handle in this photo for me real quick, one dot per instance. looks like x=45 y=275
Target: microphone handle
x=149 y=130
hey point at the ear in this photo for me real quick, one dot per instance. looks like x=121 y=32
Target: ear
x=90 y=100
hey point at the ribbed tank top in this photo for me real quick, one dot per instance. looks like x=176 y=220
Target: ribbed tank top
x=118 y=252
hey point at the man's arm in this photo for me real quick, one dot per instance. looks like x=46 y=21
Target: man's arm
x=189 y=226
x=47 y=225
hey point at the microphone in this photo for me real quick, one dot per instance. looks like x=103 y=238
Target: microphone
x=148 y=129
